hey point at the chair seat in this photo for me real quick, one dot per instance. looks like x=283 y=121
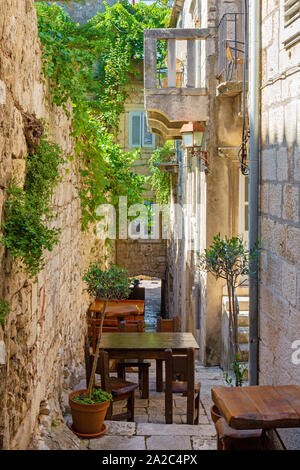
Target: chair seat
x=181 y=387
x=120 y=387
x=225 y=430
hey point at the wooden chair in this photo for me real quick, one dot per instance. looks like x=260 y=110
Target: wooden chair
x=235 y=439
x=166 y=326
x=142 y=367
x=183 y=365
x=120 y=389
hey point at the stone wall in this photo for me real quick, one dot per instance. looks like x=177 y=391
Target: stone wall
x=42 y=342
x=82 y=12
x=279 y=206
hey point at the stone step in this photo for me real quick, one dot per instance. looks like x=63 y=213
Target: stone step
x=243 y=318
x=243 y=333
x=243 y=302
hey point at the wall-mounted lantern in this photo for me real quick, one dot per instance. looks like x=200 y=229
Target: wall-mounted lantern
x=192 y=136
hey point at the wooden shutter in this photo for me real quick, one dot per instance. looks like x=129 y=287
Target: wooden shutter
x=135 y=129
x=291 y=11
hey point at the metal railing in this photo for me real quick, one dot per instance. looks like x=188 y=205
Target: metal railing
x=232 y=43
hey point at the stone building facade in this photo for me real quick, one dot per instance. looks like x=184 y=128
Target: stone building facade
x=214 y=202
x=41 y=342
x=141 y=256
x=279 y=200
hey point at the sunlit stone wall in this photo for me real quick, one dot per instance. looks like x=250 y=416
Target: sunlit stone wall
x=279 y=204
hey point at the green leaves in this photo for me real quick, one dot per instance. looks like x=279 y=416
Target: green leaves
x=91 y=67
x=4 y=310
x=28 y=209
x=98 y=396
x=161 y=182
x=228 y=259
x=107 y=284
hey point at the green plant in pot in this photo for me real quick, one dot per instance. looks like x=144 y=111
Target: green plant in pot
x=89 y=406
x=227 y=258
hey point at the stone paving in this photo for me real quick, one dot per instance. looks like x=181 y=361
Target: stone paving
x=149 y=430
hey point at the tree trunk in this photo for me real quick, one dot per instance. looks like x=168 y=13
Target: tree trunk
x=233 y=316
x=96 y=356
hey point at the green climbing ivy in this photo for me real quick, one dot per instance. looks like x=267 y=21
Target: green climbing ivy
x=160 y=180
x=4 y=310
x=90 y=67
x=28 y=209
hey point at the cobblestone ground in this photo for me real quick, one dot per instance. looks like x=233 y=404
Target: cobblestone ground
x=149 y=430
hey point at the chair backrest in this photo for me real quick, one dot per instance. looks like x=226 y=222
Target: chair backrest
x=132 y=326
x=182 y=366
x=168 y=325
x=94 y=327
x=103 y=370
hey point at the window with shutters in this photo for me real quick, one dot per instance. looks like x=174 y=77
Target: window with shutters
x=291 y=15
x=139 y=136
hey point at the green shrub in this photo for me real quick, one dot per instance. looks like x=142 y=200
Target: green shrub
x=29 y=209
x=98 y=396
x=4 y=310
x=161 y=181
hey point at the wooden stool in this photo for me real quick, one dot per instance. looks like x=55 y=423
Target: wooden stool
x=236 y=439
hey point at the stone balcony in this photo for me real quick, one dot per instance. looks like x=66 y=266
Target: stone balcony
x=177 y=101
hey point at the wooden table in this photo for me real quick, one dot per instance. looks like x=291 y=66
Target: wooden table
x=139 y=305
x=116 y=311
x=259 y=407
x=148 y=346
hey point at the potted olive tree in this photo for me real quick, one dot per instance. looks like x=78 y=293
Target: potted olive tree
x=89 y=406
x=227 y=258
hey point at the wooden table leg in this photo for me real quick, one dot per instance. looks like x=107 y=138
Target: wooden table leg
x=190 y=418
x=168 y=388
x=159 y=375
x=145 y=382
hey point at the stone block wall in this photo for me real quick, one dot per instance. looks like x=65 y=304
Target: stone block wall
x=42 y=341
x=279 y=205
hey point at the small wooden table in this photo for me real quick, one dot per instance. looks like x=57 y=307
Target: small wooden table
x=116 y=311
x=259 y=407
x=148 y=346
x=139 y=305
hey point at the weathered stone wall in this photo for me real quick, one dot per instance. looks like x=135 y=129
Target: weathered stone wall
x=279 y=205
x=43 y=334
x=82 y=12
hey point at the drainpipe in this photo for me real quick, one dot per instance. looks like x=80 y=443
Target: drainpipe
x=254 y=151
x=196 y=286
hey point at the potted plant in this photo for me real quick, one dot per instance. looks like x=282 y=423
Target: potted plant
x=227 y=258
x=89 y=406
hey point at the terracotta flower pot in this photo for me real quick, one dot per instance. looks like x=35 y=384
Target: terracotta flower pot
x=87 y=419
x=215 y=413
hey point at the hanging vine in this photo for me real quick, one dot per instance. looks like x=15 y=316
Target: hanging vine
x=89 y=66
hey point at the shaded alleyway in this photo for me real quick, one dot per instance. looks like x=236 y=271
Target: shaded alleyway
x=152 y=302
